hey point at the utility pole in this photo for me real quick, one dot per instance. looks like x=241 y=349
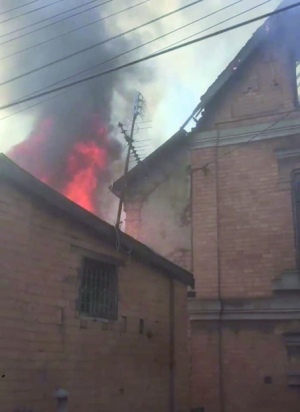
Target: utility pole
x=138 y=107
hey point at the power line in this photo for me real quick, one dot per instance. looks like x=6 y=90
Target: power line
x=258 y=134
x=33 y=105
x=49 y=18
x=215 y=25
x=128 y=51
x=18 y=7
x=157 y=38
x=31 y=11
x=100 y=43
x=133 y=49
x=152 y=56
x=205 y=166
x=77 y=28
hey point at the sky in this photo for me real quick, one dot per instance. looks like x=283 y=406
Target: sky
x=171 y=84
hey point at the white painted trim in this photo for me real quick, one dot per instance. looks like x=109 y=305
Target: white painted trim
x=244 y=134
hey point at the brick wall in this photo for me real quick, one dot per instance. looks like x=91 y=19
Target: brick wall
x=204 y=206
x=132 y=208
x=243 y=239
x=256 y=229
x=254 y=226
x=243 y=235
x=257 y=92
x=45 y=346
x=252 y=353
x=182 y=257
x=158 y=209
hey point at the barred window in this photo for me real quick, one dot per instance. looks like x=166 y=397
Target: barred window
x=99 y=290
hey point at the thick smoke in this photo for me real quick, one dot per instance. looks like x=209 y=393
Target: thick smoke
x=183 y=76
x=79 y=115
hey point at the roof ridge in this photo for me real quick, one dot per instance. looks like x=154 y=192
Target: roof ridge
x=220 y=81
x=27 y=181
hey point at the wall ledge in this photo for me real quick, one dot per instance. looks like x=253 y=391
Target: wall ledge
x=255 y=132
x=278 y=307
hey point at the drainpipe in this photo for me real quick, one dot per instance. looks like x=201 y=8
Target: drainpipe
x=172 y=349
x=62 y=400
x=220 y=326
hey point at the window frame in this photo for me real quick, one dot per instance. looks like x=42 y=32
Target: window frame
x=108 y=264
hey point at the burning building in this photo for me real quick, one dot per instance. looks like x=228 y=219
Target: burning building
x=79 y=168
x=71 y=144
x=84 y=309
x=223 y=200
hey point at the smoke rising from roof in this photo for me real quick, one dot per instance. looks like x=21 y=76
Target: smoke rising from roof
x=76 y=115
x=171 y=84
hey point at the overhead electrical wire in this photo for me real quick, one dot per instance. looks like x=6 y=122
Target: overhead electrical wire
x=18 y=7
x=137 y=47
x=215 y=25
x=32 y=11
x=76 y=29
x=36 y=104
x=158 y=38
x=58 y=94
x=263 y=131
x=152 y=56
x=33 y=105
x=49 y=18
x=100 y=43
x=205 y=166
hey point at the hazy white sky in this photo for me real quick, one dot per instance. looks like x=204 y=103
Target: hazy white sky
x=178 y=79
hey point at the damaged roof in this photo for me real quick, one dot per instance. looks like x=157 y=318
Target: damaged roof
x=11 y=172
x=259 y=35
x=159 y=154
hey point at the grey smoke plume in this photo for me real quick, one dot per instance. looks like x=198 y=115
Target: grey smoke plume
x=77 y=114
x=171 y=84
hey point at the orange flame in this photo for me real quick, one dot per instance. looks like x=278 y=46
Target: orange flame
x=84 y=164
x=79 y=169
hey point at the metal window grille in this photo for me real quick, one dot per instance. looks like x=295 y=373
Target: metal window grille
x=99 y=290
x=298 y=79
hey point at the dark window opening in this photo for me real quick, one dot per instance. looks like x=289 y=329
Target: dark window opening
x=293 y=351
x=292 y=343
x=141 y=326
x=268 y=380
x=99 y=290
